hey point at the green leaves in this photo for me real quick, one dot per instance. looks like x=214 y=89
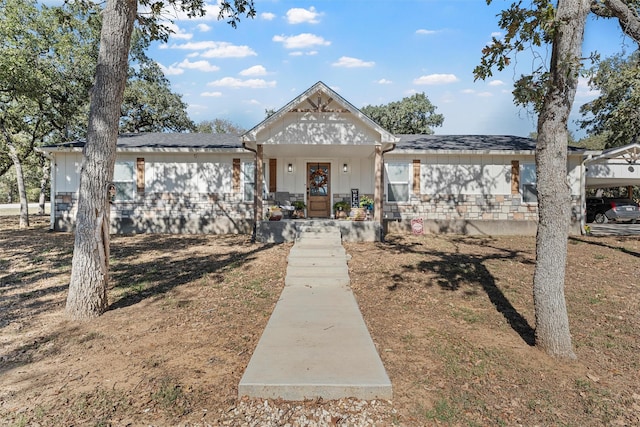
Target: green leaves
x=150 y=106
x=46 y=65
x=615 y=112
x=413 y=115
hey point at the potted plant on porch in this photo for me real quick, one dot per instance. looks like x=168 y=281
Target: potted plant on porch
x=366 y=205
x=341 y=209
x=275 y=213
x=299 y=206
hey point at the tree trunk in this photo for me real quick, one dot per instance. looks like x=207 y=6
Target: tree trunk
x=22 y=192
x=44 y=181
x=554 y=198
x=87 y=296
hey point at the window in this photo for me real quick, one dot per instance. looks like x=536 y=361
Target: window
x=124 y=180
x=248 y=176
x=398 y=180
x=528 y=183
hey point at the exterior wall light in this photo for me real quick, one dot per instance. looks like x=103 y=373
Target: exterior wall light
x=345 y=168
x=289 y=168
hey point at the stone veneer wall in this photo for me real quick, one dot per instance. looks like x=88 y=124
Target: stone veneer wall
x=188 y=213
x=470 y=214
x=463 y=207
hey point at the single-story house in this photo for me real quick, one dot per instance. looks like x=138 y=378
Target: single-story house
x=319 y=149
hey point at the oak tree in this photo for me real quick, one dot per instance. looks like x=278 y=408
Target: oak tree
x=551 y=90
x=42 y=59
x=615 y=112
x=412 y=115
x=87 y=295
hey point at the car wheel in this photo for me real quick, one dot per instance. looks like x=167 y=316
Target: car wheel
x=600 y=218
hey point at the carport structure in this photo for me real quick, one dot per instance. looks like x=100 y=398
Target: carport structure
x=615 y=167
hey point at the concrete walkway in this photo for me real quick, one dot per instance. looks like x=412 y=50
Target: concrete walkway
x=316 y=343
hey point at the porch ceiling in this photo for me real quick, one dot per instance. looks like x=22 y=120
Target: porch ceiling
x=296 y=150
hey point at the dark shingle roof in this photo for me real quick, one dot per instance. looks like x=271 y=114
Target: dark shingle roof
x=179 y=140
x=478 y=143
x=169 y=140
x=468 y=143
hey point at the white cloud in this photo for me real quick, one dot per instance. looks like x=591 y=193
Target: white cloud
x=252 y=102
x=485 y=94
x=212 y=94
x=584 y=91
x=217 y=49
x=301 y=41
x=435 y=79
x=426 y=32
x=198 y=65
x=300 y=53
x=177 y=32
x=195 y=45
x=348 y=62
x=228 y=50
x=496 y=83
x=384 y=82
x=238 y=83
x=496 y=34
x=268 y=16
x=256 y=70
x=203 y=28
x=299 y=16
x=468 y=91
x=171 y=70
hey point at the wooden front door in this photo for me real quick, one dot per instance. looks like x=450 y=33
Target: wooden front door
x=318 y=190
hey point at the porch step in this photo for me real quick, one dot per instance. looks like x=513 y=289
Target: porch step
x=316 y=344
x=317 y=248
x=290 y=230
x=319 y=233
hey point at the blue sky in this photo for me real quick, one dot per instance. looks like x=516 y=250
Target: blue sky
x=369 y=51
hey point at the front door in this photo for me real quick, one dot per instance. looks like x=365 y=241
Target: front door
x=318 y=190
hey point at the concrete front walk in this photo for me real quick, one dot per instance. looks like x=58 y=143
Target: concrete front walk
x=316 y=343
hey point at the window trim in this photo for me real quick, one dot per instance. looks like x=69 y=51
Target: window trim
x=408 y=165
x=524 y=182
x=246 y=181
x=132 y=183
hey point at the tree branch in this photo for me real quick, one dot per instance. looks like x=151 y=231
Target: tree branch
x=626 y=14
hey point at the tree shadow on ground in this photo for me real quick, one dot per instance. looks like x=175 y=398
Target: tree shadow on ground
x=456 y=270
x=138 y=278
x=35 y=266
x=574 y=239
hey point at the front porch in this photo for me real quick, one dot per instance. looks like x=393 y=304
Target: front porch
x=287 y=230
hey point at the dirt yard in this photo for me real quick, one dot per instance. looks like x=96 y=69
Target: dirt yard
x=452 y=318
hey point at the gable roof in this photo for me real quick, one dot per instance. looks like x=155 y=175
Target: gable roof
x=347 y=107
x=630 y=153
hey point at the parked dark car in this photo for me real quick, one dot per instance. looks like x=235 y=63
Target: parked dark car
x=604 y=209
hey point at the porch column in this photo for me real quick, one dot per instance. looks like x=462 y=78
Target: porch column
x=378 y=190
x=257 y=194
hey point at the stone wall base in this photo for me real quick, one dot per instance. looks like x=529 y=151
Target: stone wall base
x=471 y=227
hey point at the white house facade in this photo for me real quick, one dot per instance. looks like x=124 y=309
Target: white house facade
x=318 y=149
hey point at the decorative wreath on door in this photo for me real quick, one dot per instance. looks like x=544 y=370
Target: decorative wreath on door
x=319 y=178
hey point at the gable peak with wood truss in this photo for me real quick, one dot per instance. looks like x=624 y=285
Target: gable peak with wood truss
x=318 y=116
x=628 y=153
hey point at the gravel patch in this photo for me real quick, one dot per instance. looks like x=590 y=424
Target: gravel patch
x=317 y=413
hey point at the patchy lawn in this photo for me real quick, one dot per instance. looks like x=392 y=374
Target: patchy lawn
x=452 y=318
